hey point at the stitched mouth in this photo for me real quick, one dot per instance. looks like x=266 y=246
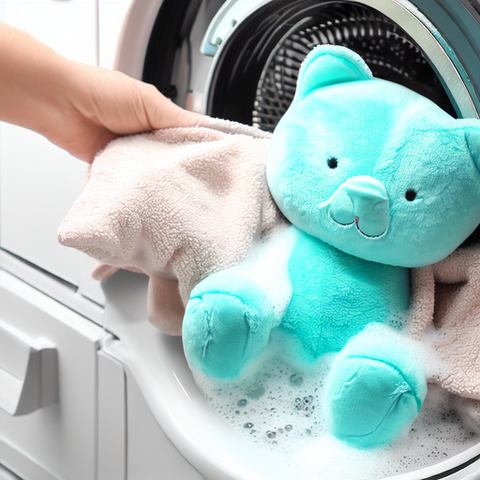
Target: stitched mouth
x=365 y=234
x=356 y=223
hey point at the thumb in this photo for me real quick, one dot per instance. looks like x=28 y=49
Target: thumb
x=163 y=113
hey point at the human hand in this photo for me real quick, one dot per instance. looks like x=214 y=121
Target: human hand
x=78 y=107
x=108 y=104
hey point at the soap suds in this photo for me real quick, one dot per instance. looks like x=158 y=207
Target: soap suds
x=267 y=265
x=279 y=408
x=278 y=401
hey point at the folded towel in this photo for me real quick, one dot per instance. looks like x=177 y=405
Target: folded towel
x=446 y=318
x=177 y=204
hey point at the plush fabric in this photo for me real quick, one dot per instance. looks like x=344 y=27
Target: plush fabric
x=375 y=178
x=177 y=204
x=372 y=167
x=446 y=319
x=371 y=398
x=343 y=294
x=230 y=320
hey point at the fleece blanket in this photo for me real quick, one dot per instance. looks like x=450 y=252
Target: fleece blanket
x=176 y=204
x=446 y=319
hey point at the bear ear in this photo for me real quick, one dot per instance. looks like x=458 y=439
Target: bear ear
x=329 y=65
x=472 y=136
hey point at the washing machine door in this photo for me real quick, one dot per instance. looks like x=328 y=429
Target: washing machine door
x=430 y=46
x=239 y=59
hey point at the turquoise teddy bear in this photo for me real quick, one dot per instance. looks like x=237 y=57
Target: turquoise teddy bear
x=375 y=179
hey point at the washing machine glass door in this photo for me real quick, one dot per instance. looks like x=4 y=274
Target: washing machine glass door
x=432 y=48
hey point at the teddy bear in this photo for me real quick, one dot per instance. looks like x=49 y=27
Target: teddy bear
x=375 y=180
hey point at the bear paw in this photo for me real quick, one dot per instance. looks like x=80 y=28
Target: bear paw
x=227 y=323
x=371 y=399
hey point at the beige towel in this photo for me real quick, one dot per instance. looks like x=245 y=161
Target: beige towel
x=177 y=204
x=446 y=318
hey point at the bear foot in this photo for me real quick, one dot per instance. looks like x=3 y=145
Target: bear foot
x=375 y=390
x=227 y=322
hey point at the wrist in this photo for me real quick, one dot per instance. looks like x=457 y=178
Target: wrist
x=33 y=83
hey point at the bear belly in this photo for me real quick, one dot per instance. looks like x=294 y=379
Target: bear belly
x=335 y=295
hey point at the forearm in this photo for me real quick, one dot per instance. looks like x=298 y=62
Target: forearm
x=78 y=107
x=34 y=81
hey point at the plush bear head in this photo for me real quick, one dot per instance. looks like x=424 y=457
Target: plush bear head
x=373 y=168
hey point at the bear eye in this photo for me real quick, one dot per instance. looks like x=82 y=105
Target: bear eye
x=332 y=162
x=410 y=195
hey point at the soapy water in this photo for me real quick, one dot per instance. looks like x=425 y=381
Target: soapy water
x=277 y=402
x=279 y=407
x=267 y=266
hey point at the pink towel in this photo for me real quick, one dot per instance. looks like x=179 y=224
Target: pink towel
x=446 y=318
x=177 y=204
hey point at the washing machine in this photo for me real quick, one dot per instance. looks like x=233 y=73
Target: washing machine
x=88 y=388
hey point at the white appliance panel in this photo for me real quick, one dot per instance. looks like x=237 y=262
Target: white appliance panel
x=57 y=440
x=39 y=182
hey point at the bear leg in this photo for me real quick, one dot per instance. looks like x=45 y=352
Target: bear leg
x=227 y=322
x=375 y=389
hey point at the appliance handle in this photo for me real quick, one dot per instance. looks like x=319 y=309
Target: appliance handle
x=28 y=371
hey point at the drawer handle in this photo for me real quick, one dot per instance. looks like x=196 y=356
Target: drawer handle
x=28 y=371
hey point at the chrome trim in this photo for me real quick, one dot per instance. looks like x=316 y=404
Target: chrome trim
x=436 y=49
x=429 y=39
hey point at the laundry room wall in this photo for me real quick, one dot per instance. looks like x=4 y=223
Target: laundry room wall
x=39 y=182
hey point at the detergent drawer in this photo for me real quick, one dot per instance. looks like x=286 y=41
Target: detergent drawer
x=48 y=390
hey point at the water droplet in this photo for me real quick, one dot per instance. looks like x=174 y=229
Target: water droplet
x=255 y=393
x=242 y=402
x=248 y=425
x=308 y=431
x=296 y=380
x=288 y=427
x=271 y=434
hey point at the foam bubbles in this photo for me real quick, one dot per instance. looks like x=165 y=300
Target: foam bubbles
x=277 y=403
x=267 y=265
x=279 y=407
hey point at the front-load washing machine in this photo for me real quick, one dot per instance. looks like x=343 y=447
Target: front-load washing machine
x=88 y=388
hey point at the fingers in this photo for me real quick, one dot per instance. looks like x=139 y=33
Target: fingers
x=163 y=113
x=109 y=104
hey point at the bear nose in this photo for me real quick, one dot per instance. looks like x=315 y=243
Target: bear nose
x=366 y=193
x=363 y=200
